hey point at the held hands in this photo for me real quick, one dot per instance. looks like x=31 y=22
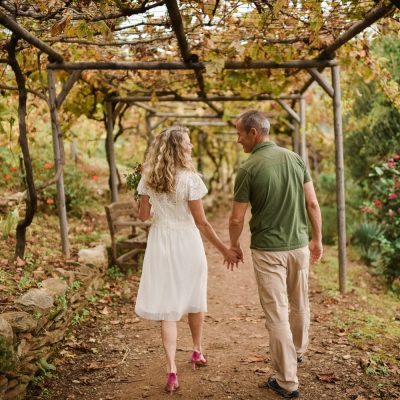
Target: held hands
x=316 y=251
x=232 y=256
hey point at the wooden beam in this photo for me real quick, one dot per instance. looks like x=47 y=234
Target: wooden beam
x=206 y=123
x=133 y=99
x=24 y=34
x=321 y=80
x=288 y=124
x=67 y=87
x=178 y=65
x=192 y=116
x=289 y=110
x=340 y=189
x=177 y=25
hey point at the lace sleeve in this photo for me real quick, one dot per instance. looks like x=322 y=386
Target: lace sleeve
x=196 y=188
x=142 y=189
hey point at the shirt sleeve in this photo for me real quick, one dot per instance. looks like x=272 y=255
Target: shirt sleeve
x=242 y=187
x=142 y=188
x=307 y=176
x=196 y=189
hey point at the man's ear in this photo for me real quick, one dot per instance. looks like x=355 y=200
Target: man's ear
x=253 y=131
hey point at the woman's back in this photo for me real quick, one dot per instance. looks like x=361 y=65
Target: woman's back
x=172 y=208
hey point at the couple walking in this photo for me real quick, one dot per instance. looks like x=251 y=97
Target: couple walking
x=279 y=189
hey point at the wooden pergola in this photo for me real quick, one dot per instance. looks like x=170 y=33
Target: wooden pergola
x=306 y=69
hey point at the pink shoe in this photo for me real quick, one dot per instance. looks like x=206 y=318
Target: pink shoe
x=198 y=360
x=172 y=383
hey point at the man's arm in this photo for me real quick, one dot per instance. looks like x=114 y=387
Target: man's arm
x=236 y=222
x=314 y=213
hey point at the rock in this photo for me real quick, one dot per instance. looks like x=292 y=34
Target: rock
x=6 y=331
x=39 y=298
x=15 y=392
x=29 y=368
x=23 y=348
x=96 y=256
x=20 y=321
x=55 y=286
x=69 y=275
x=3 y=386
x=12 y=383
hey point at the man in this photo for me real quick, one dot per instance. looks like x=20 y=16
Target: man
x=276 y=183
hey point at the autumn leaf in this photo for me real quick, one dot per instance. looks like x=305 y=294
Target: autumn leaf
x=61 y=25
x=215 y=66
x=279 y=4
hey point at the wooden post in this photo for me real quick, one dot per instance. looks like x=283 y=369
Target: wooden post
x=303 y=142
x=149 y=128
x=296 y=137
x=58 y=149
x=111 y=153
x=340 y=190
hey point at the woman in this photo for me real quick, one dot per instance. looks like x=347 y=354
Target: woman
x=174 y=277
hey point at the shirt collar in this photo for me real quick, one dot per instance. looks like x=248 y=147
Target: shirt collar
x=268 y=143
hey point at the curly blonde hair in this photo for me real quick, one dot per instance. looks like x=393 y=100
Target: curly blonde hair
x=165 y=156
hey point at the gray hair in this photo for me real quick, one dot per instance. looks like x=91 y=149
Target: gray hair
x=254 y=119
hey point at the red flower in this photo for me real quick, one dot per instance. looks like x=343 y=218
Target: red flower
x=398 y=210
x=391 y=213
x=12 y=168
x=396 y=157
x=378 y=203
x=391 y=164
x=48 y=165
x=7 y=177
x=392 y=196
x=95 y=177
x=50 y=201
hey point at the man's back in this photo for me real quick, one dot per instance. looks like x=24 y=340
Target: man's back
x=272 y=180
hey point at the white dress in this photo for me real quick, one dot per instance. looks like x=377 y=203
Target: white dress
x=174 y=275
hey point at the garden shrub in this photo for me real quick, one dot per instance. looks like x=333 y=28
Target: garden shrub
x=383 y=190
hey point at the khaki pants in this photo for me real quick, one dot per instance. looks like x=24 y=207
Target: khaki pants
x=282 y=279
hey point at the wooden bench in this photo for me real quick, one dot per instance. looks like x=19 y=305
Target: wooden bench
x=128 y=233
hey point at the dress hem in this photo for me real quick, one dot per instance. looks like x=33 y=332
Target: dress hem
x=172 y=316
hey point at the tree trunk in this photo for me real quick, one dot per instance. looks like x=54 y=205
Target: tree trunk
x=31 y=198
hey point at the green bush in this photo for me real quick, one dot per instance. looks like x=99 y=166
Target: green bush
x=366 y=235
x=383 y=190
x=78 y=196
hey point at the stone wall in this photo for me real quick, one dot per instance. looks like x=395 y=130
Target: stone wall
x=41 y=318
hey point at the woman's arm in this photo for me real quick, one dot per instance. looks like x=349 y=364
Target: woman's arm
x=144 y=208
x=197 y=210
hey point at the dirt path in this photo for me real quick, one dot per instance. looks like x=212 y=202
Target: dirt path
x=117 y=356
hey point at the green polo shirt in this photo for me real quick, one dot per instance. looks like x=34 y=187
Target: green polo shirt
x=272 y=180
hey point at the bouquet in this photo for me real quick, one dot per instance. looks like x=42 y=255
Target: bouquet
x=133 y=179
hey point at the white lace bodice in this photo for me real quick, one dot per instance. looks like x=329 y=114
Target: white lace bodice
x=171 y=209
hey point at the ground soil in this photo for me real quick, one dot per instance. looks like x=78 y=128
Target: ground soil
x=115 y=355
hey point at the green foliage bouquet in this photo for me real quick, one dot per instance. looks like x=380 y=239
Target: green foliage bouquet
x=384 y=209
x=133 y=179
